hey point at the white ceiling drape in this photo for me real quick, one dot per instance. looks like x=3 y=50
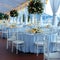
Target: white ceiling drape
x=7 y=5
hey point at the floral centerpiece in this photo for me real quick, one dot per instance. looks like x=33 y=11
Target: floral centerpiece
x=36 y=30
x=4 y=17
x=35 y=6
x=12 y=25
x=1 y=16
x=14 y=13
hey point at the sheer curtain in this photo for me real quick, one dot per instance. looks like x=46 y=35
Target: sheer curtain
x=54 y=5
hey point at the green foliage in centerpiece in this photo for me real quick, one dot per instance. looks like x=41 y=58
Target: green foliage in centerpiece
x=1 y=16
x=6 y=17
x=35 y=6
x=13 y=13
x=28 y=18
x=23 y=18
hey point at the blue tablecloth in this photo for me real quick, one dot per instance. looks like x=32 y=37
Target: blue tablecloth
x=29 y=39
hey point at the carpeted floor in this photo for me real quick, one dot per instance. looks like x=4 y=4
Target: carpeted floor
x=8 y=55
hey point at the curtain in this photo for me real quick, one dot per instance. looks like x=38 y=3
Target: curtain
x=54 y=5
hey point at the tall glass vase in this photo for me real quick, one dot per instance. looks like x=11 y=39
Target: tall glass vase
x=38 y=19
x=35 y=19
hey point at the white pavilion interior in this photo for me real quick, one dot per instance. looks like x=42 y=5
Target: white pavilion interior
x=30 y=29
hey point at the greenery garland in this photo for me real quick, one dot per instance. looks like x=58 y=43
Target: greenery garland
x=13 y=13
x=35 y=6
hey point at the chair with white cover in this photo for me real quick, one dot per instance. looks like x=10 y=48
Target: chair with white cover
x=38 y=41
x=2 y=31
x=11 y=36
x=46 y=48
x=58 y=43
x=18 y=42
x=53 y=53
